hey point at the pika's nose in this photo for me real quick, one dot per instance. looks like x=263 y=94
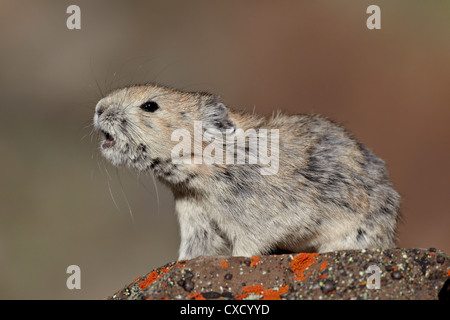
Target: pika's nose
x=100 y=108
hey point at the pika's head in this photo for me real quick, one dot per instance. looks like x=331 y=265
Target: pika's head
x=137 y=122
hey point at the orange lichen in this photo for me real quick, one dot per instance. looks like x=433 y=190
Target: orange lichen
x=323 y=265
x=196 y=296
x=323 y=276
x=267 y=294
x=275 y=294
x=224 y=264
x=301 y=262
x=448 y=273
x=257 y=289
x=154 y=275
x=255 y=261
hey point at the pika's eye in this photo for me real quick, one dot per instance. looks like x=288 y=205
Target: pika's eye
x=149 y=106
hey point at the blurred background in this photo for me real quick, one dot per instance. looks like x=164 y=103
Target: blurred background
x=62 y=204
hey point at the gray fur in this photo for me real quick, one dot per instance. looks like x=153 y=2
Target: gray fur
x=330 y=192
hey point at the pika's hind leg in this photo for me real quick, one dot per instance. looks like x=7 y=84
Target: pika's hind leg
x=357 y=239
x=246 y=245
x=199 y=236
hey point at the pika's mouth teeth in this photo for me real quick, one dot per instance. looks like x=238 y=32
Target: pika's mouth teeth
x=109 y=140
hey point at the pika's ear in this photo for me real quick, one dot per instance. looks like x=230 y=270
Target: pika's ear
x=215 y=113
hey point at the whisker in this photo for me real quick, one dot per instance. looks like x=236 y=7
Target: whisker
x=165 y=69
x=148 y=190
x=95 y=79
x=108 y=177
x=156 y=190
x=126 y=198
x=131 y=74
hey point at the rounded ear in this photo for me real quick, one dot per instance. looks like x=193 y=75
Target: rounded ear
x=215 y=114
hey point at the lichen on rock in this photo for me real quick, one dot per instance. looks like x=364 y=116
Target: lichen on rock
x=403 y=274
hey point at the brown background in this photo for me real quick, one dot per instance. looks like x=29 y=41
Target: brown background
x=390 y=87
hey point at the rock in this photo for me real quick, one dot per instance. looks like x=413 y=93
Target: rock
x=403 y=274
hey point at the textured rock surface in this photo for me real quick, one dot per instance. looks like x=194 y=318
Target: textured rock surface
x=404 y=274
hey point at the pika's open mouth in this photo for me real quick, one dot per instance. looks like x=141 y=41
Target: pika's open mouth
x=109 y=140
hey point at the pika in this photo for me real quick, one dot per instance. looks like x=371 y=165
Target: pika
x=329 y=191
